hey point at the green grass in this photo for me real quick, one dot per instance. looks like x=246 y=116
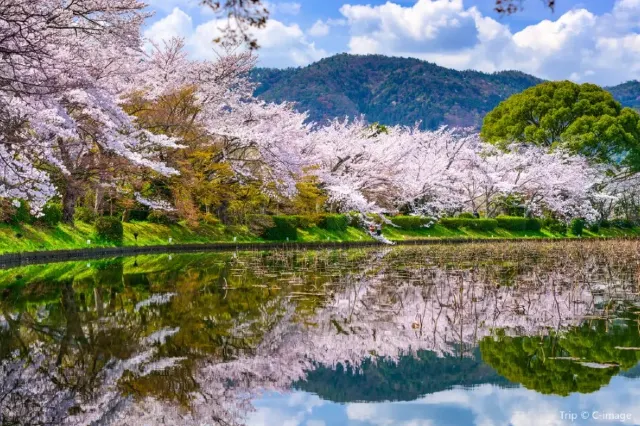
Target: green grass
x=318 y=234
x=33 y=238
x=25 y=238
x=440 y=232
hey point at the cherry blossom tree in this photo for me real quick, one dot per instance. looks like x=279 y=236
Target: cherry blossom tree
x=447 y=170
x=60 y=110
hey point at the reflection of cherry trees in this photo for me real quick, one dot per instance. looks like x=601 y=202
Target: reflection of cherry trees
x=193 y=342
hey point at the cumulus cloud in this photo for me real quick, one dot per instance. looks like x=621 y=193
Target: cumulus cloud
x=577 y=45
x=176 y=24
x=281 y=45
x=319 y=29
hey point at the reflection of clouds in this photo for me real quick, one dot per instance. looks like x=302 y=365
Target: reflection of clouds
x=485 y=405
x=296 y=407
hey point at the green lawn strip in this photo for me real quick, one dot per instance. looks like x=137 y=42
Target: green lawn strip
x=438 y=232
x=31 y=238
x=316 y=234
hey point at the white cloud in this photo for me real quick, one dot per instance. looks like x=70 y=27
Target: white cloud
x=319 y=29
x=176 y=24
x=281 y=45
x=578 y=44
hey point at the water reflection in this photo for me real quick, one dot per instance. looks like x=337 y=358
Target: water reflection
x=196 y=339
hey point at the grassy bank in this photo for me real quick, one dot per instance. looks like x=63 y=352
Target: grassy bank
x=30 y=238
x=438 y=231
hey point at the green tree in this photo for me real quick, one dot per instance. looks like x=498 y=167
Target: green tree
x=585 y=119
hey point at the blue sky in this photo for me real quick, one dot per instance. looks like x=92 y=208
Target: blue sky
x=585 y=41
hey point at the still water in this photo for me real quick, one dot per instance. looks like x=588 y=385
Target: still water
x=515 y=334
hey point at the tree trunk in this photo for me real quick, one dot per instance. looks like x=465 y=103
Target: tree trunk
x=69 y=198
x=223 y=212
x=97 y=205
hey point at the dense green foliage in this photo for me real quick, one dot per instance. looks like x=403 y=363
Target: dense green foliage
x=84 y=214
x=51 y=215
x=412 y=222
x=109 y=229
x=475 y=224
x=466 y=215
x=519 y=223
x=399 y=90
x=334 y=222
x=555 y=226
x=20 y=214
x=137 y=215
x=285 y=228
x=546 y=364
x=160 y=217
x=584 y=119
x=577 y=227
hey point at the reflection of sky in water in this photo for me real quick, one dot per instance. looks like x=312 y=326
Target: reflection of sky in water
x=485 y=405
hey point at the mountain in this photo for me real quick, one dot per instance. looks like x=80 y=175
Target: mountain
x=628 y=94
x=393 y=90
x=410 y=378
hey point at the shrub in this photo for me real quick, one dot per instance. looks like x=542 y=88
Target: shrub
x=21 y=214
x=51 y=215
x=577 y=226
x=160 y=217
x=334 y=222
x=84 y=214
x=555 y=226
x=622 y=223
x=109 y=229
x=466 y=215
x=259 y=223
x=355 y=219
x=605 y=223
x=412 y=222
x=210 y=219
x=475 y=224
x=519 y=223
x=594 y=227
x=285 y=227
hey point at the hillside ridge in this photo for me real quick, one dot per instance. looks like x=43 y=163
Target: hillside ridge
x=396 y=90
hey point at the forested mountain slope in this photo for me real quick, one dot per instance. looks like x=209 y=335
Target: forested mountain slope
x=393 y=90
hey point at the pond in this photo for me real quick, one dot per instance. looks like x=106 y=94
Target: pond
x=478 y=334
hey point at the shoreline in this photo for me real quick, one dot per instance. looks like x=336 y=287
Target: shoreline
x=10 y=260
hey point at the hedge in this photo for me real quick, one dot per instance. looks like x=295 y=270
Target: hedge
x=513 y=223
x=109 y=229
x=334 y=222
x=475 y=224
x=412 y=222
x=285 y=228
